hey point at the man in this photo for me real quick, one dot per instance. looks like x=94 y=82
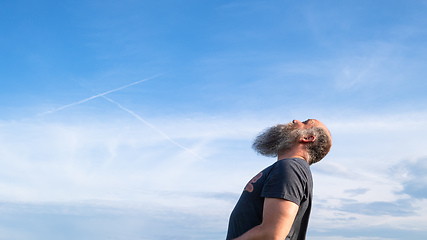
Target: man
x=276 y=203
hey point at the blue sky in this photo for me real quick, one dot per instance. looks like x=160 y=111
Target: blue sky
x=134 y=119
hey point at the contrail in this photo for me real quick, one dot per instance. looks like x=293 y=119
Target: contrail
x=96 y=96
x=125 y=109
x=151 y=126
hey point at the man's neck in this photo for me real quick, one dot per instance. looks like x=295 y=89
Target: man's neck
x=295 y=152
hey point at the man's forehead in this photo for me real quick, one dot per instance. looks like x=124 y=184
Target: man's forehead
x=316 y=123
x=313 y=122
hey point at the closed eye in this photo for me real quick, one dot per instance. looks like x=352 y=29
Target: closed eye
x=307 y=121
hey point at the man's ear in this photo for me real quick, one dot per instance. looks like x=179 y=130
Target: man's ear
x=308 y=139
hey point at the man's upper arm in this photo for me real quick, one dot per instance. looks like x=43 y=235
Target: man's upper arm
x=278 y=216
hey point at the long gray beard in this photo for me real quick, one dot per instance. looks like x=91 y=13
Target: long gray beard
x=275 y=140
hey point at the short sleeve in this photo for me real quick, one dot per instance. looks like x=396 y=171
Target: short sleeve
x=286 y=180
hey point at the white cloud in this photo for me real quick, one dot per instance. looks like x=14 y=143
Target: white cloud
x=125 y=164
x=369 y=152
x=112 y=161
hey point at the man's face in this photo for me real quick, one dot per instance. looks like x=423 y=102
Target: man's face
x=309 y=123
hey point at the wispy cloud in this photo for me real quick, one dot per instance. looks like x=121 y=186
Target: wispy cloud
x=152 y=126
x=413 y=177
x=400 y=208
x=357 y=191
x=128 y=163
x=96 y=96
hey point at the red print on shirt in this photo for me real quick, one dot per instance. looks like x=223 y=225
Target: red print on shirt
x=250 y=187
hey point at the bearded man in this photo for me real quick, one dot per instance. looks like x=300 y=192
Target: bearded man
x=276 y=203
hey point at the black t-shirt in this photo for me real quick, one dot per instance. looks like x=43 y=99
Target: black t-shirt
x=289 y=179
